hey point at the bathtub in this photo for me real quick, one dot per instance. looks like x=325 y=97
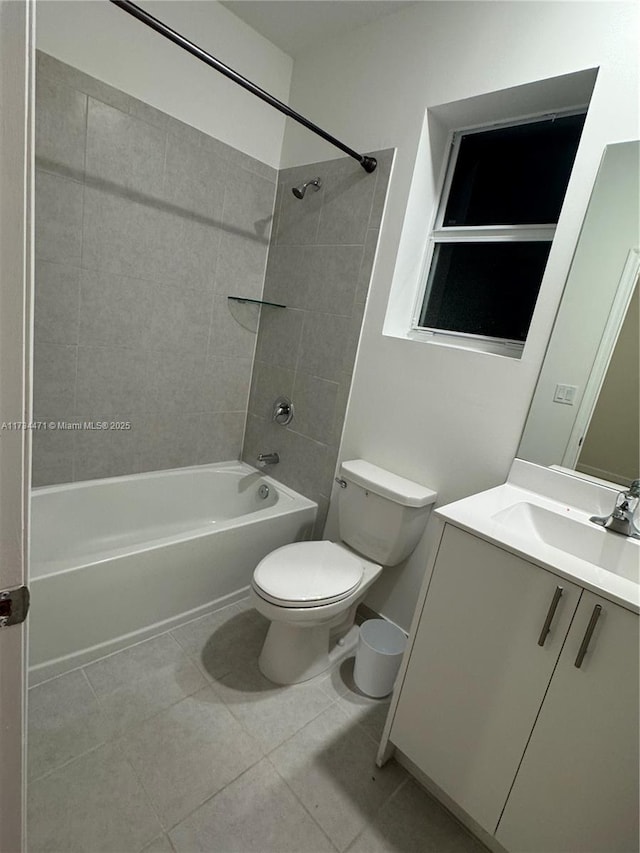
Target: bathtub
x=118 y=560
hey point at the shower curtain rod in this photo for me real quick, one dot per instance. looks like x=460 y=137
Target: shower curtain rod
x=368 y=163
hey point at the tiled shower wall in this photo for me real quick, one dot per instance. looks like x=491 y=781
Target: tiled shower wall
x=319 y=266
x=144 y=225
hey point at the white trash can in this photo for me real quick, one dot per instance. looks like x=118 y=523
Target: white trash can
x=380 y=649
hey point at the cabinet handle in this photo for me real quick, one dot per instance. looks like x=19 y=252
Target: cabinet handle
x=584 y=645
x=550 y=614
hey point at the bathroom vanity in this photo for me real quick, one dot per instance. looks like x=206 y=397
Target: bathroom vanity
x=517 y=702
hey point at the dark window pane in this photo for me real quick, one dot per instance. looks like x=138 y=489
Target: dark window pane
x=513 y=175
x=485 y=289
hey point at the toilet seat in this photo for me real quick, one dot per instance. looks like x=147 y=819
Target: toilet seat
x=307 y=574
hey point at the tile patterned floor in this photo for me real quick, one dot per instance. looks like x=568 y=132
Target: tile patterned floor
x=179 y=744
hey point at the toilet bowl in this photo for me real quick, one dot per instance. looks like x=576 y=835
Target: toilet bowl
x=310 y=590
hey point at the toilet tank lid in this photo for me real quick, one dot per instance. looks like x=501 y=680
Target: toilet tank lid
x=386 y=484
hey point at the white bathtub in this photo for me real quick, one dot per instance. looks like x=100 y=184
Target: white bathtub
x=117 y=560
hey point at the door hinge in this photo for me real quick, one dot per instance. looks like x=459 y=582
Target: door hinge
x=14 y=606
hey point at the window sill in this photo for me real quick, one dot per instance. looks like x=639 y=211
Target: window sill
x=488 y=347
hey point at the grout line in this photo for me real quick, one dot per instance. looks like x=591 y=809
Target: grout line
x=143 y=787
x=275 y=769
x=69 y=761
x=212 y=796
x=91 y=687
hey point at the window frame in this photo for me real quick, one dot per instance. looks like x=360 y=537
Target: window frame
x=439 y=233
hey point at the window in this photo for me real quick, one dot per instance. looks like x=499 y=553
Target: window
x=502 y=196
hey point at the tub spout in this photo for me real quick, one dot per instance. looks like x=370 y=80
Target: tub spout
x=268 y=459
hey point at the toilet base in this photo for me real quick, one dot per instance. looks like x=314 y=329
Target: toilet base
x=292 y=654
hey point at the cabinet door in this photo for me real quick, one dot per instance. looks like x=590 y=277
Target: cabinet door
x=577 y=788
x=477 y=676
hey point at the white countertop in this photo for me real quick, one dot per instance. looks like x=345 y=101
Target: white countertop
x=502 y=516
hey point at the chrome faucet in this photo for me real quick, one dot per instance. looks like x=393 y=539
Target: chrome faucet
x=622 y=518
x=268 y=459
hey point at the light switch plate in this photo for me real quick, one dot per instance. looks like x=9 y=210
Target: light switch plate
x=565 y=394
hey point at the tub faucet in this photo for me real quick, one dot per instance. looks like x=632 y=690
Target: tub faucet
x=622 y=518
x=268 y=459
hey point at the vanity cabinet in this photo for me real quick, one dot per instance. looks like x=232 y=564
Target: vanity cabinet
x=577 y=788
x=476 y=676
x=542 y=754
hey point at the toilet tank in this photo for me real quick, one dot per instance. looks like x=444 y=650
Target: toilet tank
x=381 y=515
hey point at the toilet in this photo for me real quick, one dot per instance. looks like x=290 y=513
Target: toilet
x=310 y=590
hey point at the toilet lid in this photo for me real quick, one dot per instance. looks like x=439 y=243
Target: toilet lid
x=307 y=574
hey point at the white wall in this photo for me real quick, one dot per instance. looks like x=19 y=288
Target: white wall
x=450 y=418
x=105 y=42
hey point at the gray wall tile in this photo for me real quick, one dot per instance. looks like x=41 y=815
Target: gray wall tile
x=121 y=234
x=166 y=440
x=190 y=250
x=315 y=406
x=108 y=453
x=123 y=150
x=234 y=328
x=53 y=69
x=324 y=342
x=241 y=265
x=110 y=383
x=194 y=179
x=320 y=263
x=54 y=381
x=52 y=456
x=279 y=337
x=57 y=297
x=268 y=383
x=160 y=247
x=248 y=203
x=225 y=386
x=220 y=436
x=180 y=318
x=287 y=274
x=114 y=310
x=298 y=218
x=333 y=277
x=366 y=267
x=130 y=254
x=173 y=381
x=348 y=195
x=383 y=174
x=321 y=516
x=58 y=218
x=61 y=121
x=147 y=113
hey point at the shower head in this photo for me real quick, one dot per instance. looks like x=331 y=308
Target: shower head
x=299 y=191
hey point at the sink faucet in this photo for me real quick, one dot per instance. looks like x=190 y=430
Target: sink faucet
x=268 y=459
x=622 y=519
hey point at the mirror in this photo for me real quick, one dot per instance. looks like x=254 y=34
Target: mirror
x=585 y=411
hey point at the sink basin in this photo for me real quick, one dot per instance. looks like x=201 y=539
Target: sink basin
x=575 y=536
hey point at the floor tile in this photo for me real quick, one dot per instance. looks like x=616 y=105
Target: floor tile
x=141 y=681
x=255 y=814
x=159 y=845
x=226 y=641
x=189 y=752
x=413 y=822
x=269 y=712
x=132 y=664
x=95 y=804
x=334 y=682
x=65 y=721
x=368 y=712
x=330 y=764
